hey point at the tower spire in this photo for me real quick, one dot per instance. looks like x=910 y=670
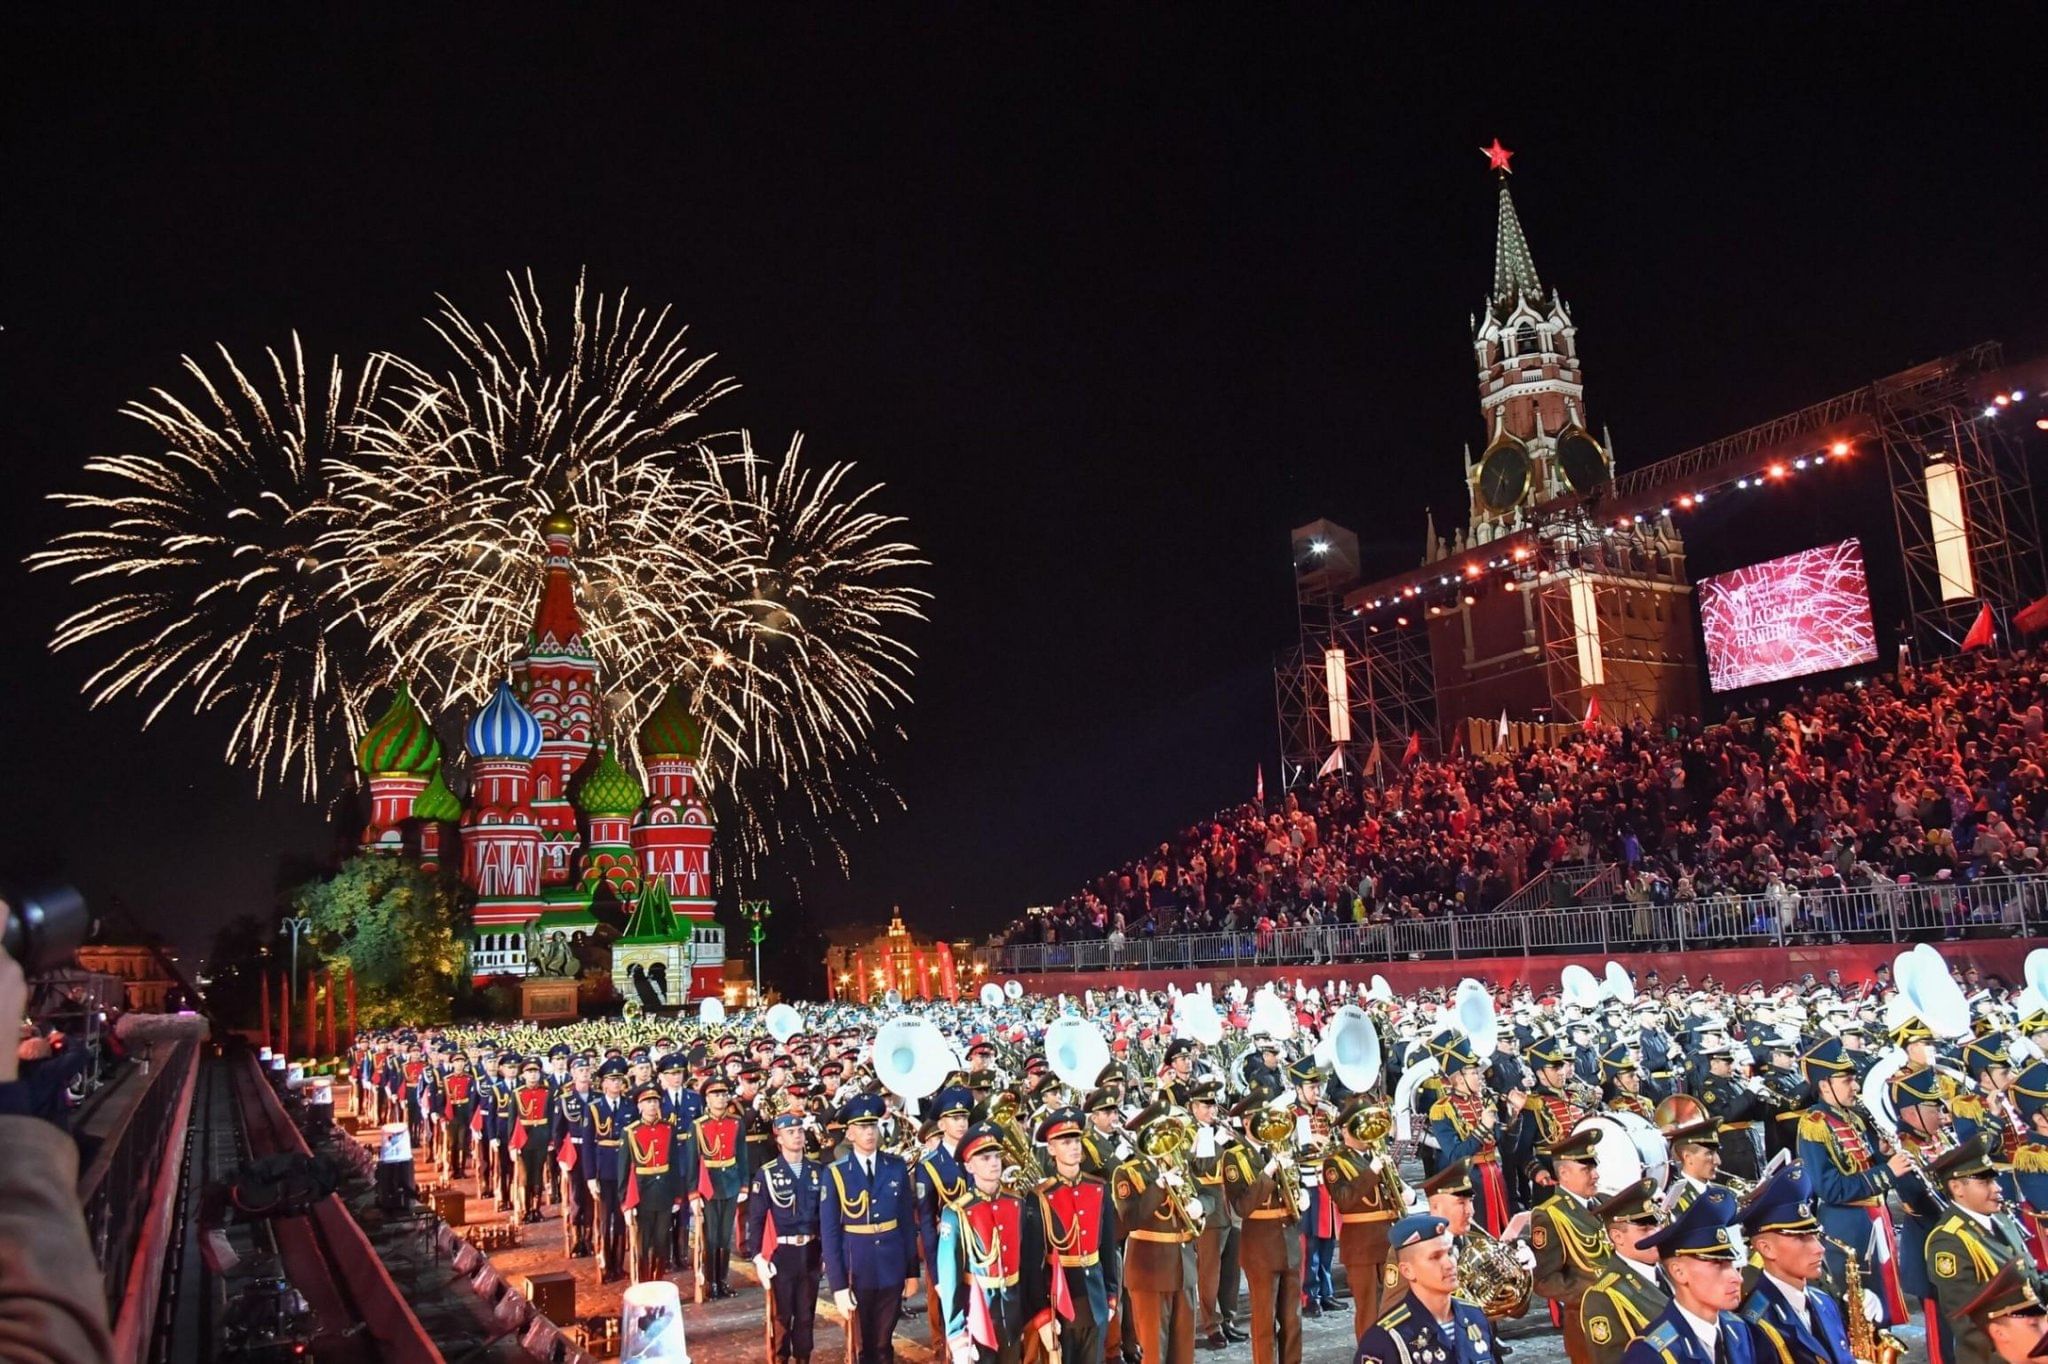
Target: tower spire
x=1514 y=270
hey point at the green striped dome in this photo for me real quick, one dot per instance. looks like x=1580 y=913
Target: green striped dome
x=437 y=803
x=671 y=732
x=609 y=789
x=400 y=742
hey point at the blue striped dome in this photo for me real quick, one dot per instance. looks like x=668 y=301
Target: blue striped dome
x=504 y=729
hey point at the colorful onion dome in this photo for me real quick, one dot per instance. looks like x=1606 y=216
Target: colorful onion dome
x=504 y=729
x=671 y=731
x=609 y=789
x=400 y=743
x=437 y=804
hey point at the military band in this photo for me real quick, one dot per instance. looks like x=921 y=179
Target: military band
x=1185 y=1195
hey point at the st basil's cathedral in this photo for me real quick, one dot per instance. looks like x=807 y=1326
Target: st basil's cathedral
x=556 y=828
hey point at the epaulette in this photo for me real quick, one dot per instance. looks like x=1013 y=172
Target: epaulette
x=1953 y=1225
x=1605 y=1281
x=1441 y=1109
x=1813 y=1126
x=1395 y=1315
x=1664 y=1335
x=1346 y=1170
x=1966 y=1106
x=2030 y=1159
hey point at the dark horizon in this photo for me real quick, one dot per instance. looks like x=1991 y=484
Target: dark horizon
x=1108 y=306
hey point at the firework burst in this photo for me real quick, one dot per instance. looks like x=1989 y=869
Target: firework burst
x=294 y=550
x=211 y=590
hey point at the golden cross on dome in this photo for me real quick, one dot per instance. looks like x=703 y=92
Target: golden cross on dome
x=1497 y=157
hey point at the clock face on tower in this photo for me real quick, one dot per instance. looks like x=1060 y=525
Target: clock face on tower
x=1503 y=476
x=1583 y=461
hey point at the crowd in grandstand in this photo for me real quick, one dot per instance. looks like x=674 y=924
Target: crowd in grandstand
x=1932 y=777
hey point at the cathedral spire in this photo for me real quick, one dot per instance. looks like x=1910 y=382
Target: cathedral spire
x=1514 y=270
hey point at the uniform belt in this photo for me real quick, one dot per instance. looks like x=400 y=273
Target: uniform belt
x=1737 y=1126
x=650 y=1169
x=794 y=1240
x=1354 y=1217
x=1172 y=1237
x=602 y=1142
x=710 y=1164
x=992 y=1281
x=871 y=1228
x=1268 y=1214
x=1079 y=1261
x=1208 y=1179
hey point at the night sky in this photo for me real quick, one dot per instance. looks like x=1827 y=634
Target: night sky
x=1108 y=305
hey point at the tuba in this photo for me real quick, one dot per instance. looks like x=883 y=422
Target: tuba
x=1022 y=1171
x=1492 y=1277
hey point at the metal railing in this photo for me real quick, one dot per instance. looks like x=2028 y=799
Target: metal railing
x=2009 y=906
x=116 y=1187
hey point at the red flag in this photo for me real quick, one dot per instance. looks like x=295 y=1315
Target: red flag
x=1980 y=635
x=769 y=1239
x=1414 y=749
x=566 y=1157
x=632 y=1198
x=1259 y=787
x=2032 y=618
x=1592 y=712
x=1062 y=1295
x=518 y=1135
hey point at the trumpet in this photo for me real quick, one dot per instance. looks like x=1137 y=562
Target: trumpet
x=1272 y=1127
x=1166 y=1141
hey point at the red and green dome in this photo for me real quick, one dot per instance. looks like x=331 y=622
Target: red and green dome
x=437 y=804
x=609 y=789
x=400 y=743
x=671 y=732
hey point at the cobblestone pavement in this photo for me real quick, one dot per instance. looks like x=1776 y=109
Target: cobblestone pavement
x=731 y=1332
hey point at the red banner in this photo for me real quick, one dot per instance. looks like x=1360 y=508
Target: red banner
x=949 y=984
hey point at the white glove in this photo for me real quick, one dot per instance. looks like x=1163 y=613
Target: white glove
x=843 y=1300
x=1527 y=1257
x=1171 y=1179
x=961 y=1348
x=763 y=1268
x=1272 y=1167
x=1873 y=1310
x=1301 y=1201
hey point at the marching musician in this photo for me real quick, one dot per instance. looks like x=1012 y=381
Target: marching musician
x=1792 y=1318
x=654 y=1190
x=1968 y=1248
x=782 y=1238
x=1081 y=1236
x=1358 y=1178
x=1622 y=1083
x=1735 y=1109
x=572 y=1136
x=610 y=1116
x=718 y=1144
x=1839 y=1152
x=870 y=1247
x=1265 y=1070
x=458 y=1108
x=1313 y=1120
x=1923 y=1131
x=1152 y=1203
x=1621 y=1303
x=2030 y=1160
x=1549 y=1112
x=1465 y=1123
x=1988 y=1108
x=1429 y=1323
x=532 y=1125
x=1176 y=1082
x=1217 y=1250
x=993 y=1267
x=2010 y=1314
x=939 y=1178
x=1103 y=1143
x=1272 y=1247
x=1568 y=1236
x=1786 y=1078
x=1700 y=1260
x=1696 y=1156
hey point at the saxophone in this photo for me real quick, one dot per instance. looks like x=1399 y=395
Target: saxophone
x=1867 y=1344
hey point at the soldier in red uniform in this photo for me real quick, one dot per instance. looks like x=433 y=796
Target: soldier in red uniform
x=995 y=1285
x=653 y=1190
x=531 y=1125
x=1466 y=1125
x=720 y=1143
x=458 y=1106
x=1080 y=1234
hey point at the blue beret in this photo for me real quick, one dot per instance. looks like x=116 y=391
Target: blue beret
x=1421 y=1226
x=787 y=1120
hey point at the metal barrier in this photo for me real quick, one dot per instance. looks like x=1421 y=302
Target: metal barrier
x=122 y=1189
x=2007 y=906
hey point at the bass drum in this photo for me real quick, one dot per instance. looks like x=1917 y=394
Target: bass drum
x=1630 y=1149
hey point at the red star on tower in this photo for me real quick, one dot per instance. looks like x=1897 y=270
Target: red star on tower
x=1497 y=157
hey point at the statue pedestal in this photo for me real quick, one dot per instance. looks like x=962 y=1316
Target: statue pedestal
x=547 y=999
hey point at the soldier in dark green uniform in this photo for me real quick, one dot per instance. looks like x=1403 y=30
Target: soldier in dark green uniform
x=1968 y=1248
x=1570 y=1241
x=1622 y=1302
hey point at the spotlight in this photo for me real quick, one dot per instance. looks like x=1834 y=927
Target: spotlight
x=1400 y=620
x=1839 y=448
x=1742 y=483
x=1685 y=500
x=2041 y=423
x=2002 y=400
x=1469 y=599
x=1319 y=546
x=1991 y=411
x=1799 y=463
x=1777 y=471
x=1698 y=498
x=2019 y=395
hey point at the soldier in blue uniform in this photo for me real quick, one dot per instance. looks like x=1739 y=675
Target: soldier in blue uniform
x=1429 y=1324
x=1792 y=1320
x=2030 y=1159
x=610 y=1116
x=783 y=1215
x=501 y=1114
x=866 y=1222
x=1923 y=1128
x=681 y=1106
x=939 y=1179
x=1702 y=1262
x=1850 y=1177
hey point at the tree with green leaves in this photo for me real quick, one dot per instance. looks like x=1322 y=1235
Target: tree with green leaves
x=393 y=925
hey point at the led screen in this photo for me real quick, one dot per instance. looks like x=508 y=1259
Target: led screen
x=1805 y=613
